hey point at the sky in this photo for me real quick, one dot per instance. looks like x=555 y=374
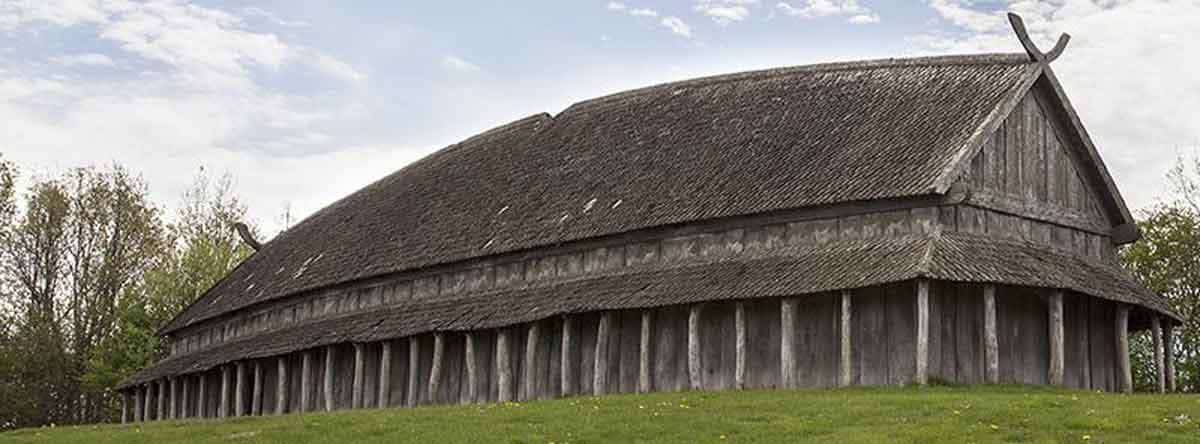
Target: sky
x=302 y=101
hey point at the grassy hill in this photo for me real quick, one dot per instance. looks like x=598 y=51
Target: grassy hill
x=857 y=415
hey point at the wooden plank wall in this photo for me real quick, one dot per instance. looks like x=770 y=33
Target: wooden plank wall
x=883 y=350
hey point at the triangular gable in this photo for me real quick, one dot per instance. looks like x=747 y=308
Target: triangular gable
x=1034 y=157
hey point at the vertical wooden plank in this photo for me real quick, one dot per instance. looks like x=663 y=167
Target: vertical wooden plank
x=435 y=368
x=901 y=319
x=600 y=361
x=922 y=374
x=472 y=388
x=532 y=340
x=359 y=375
x=871 y=330
x=239 y=391
x=281 y=385
x=185 y=397
x=739 y=322
x=787 y=347
x=990 y=336
x=125 y=407
x=201 y=395
x=504 y=366
x=695 y=381
x=1124 y=372
x=1102 y=343
x=256 y=394
x=1159 y=370
x=414 y=371
x=628 y=362
x=644 y=356
x=306 y=377
x=1169 y=356
x=139 y=409
x=1057 y=355
x=330 y=354
x=223 y=407
x=568 y=356
x=160 y=397
x=173 y=404
x=846 y=375
x=948 y=298
x=1013 y=141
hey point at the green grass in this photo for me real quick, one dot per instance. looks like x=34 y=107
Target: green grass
x=858 y=415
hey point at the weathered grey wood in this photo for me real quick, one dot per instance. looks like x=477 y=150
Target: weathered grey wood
x=384 y=396
x=281 y=385
x=568 y=357
x=435 y=369
x=306 y=377
x=174 y=402
x=695 y=381
x=991 y=340
x=1169 y=357
x=256 y=395
x=600 y=363
x=922 y=374
x=1057 y=355
x=739 y=322
x=357 y=388
x=787 y=341
x=504 y=380
x=846 y=369
x=223 y=408
x=1159 y=364
x=414 y=367
x=1103 y=341
x=532 y=339
x=1124 y=372
x=160 y=399
x=644 y=356
x=201 y=395
x=125 y=416
x=239 y=390
x=330 y=354
x=472 y=389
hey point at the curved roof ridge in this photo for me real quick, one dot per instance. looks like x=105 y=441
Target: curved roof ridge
x=999 y=58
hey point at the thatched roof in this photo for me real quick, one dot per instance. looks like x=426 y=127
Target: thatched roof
x=700 y=149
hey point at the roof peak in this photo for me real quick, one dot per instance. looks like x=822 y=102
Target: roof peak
x=891 y=62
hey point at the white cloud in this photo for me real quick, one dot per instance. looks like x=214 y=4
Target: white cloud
x=725 y=12
x=616 y=6
x=89 y=59
x=643 y=12
x=677 y=26
x=856 y=13
x=1125 y=72
x=271 y=17
x=452 y=63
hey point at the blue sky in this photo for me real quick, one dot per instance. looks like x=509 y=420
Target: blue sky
x=303 y=101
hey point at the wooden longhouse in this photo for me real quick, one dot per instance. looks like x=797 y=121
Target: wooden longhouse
x=881 y=222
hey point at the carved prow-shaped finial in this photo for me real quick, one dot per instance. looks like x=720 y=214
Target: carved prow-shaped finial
x=1018 y=26
x=244 y=232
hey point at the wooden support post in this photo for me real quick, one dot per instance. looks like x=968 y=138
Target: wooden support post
x=567 y=356
x=330 y=354
x=435 y=369
x=503 y=367
x=991 y=341
x=148 y=415
x=281 y=385
x=739 y=328
x=922 y=376
x=161 y=398
x=257 y=390
x=1159 y=362
x=201 y=395
x=223 y=409
x=239 y=402
x=532 y=340
x=138 y=404
x=695 y=372
x=125 y=407
x=185 y=396
x=1169 y=356
x=306 y=381
x=414 y=371
x=600 y=364
x=385 y=375
x=787 y=342
x=1124 y=372
x=173 y=405
x=472 y=371
x=846 y=373
x=1057 y=349
x=644 y=351
x=360 y=373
